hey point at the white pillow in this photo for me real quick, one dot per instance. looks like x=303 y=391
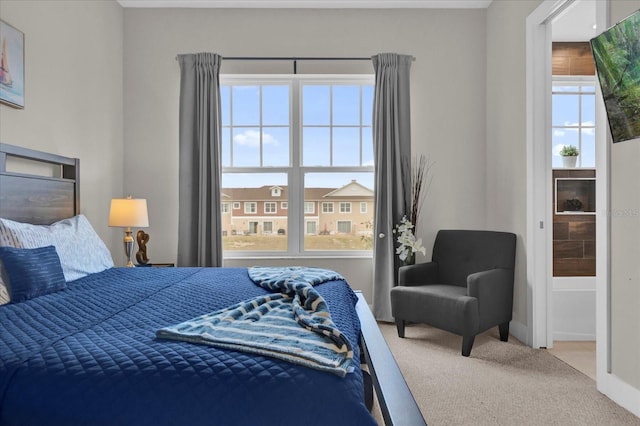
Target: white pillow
x=80 y=249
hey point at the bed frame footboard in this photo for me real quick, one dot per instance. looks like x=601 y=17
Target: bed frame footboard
x=394 y=396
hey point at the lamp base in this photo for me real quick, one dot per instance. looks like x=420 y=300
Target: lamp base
x=128 y=247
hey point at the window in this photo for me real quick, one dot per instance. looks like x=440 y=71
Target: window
x=304 y=139
x=309 y=207
x=344 y=226
x=312 y=227
x=345 y=207
x=363 y=207
x=225 y=207
x=573 y=119
x=267 y=227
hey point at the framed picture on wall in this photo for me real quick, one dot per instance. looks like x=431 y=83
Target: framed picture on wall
x=11 y=66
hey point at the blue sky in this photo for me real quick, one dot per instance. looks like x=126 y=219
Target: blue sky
x=322 y=105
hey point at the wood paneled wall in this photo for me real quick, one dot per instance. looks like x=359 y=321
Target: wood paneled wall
x=572 y=58
x=574 y=235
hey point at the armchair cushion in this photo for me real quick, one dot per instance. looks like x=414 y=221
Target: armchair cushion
x=433 y=304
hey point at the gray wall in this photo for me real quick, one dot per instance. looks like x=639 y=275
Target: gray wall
x=448 y=98
x=625 y=245
x=506 y=181
x=506 y=132
x=73 y=95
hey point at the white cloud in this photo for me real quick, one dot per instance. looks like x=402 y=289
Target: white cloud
x=573 y=127
x=251 y=138
x=559 y=133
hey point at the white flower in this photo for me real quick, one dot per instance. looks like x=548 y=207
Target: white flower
x=408 y=244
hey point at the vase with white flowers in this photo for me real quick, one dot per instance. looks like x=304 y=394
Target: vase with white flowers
x=419 y=181
x=408 y=245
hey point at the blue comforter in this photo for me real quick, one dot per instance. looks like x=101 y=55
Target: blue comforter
x=89 y=355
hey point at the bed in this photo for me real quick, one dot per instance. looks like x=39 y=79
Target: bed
x=89 y=354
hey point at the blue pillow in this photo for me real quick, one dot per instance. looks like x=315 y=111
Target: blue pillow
x=32 y=272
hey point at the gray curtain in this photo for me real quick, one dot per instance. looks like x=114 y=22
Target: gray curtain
x=392 y=149
x=199 y=239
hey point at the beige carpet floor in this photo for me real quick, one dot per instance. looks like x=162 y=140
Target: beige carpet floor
x=499 y=384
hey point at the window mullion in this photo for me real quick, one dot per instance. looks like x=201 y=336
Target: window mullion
x=296 y=185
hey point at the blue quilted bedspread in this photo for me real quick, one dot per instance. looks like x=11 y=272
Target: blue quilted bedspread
x=293 y=323
x=88 y=355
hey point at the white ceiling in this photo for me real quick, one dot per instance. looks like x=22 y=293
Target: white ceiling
x=576 y=22
x=315 y=4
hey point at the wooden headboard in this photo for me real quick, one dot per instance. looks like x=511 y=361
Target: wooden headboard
x=34 y=198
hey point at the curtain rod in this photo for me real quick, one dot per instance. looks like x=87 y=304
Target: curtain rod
x=295 y=59
x=292 y=58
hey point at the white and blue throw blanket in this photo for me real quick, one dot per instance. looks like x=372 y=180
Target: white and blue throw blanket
x=292 y=324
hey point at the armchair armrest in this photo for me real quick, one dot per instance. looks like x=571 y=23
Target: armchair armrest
x=494 y=291
x=418 y=274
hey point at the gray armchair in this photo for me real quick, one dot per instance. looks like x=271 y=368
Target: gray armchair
x=466 y=289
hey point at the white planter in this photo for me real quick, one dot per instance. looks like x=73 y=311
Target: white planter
x=569 y=162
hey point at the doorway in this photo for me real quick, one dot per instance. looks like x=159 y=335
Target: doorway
x=572 y=314
x=539 y=176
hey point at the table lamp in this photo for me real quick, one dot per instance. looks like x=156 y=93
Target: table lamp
x=128 y=212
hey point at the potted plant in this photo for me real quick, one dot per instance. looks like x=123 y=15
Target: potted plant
x=569 y=155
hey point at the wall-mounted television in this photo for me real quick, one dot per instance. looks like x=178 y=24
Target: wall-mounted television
x=616 y=53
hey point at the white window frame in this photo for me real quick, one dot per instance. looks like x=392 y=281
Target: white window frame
x=284 y=205
x=236 y=205
x=347 y=207
x=250 y=207
x=325 y=207
x=364 y=207
x=273 y=205
x=311 y=210
x=296 y=170
x=225 y=208
x=576 y=81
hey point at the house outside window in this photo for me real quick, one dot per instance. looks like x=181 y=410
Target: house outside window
x=308 y=141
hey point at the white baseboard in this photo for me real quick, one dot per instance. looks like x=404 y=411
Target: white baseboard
x=570 y=336
x=619 y=392
x=519 y=331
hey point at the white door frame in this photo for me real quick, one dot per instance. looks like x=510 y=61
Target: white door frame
x=539 y=217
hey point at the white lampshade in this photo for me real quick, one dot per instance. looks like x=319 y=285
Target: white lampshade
x=129 y=212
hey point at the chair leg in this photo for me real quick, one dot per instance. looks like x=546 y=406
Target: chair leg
x=504 y=331
x=467 y=344
x=400 y=327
